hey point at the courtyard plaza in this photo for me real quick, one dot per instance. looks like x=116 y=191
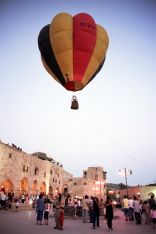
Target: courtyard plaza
x=24 y=222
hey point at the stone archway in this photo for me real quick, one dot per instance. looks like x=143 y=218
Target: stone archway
x=65 y=189
x=7 y=186
x=43 y=188
x=35 y=187
x=24 y=185
x=151 y=194
x=50 y=190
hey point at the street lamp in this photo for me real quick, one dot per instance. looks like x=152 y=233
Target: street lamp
x=124 y=172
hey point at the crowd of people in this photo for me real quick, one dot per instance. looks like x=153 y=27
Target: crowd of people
x=91 y=208
x=134 y=208
x=7 y=199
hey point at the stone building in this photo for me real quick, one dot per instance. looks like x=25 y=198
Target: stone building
x=21 y=172
x=25 y=173
x=92 y=183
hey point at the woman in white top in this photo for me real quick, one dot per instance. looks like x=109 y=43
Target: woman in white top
x=136 y=205
x=85 y=208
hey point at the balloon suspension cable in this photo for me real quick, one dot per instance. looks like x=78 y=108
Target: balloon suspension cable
x=74 y=103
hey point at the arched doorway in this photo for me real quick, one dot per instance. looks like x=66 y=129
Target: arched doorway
x=24 y=185
x=43 y=188
x=7 y=186
x=57 y=191
x=151 y=194
x=65 y=189
x=35 y=187
x=50 y=190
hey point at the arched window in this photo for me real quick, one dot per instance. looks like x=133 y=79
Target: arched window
x=44 y=174
x=23 y=168
x=74 y=183
x=51 y=172
x=36 y=171
x=85 y=174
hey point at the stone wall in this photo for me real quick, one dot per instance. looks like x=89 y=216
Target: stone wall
x=142 y=192
x=147 y=191
x=27 y=173
x=92 y=183
x=21 y=172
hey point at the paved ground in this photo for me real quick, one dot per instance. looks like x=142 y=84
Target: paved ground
x=23 y=222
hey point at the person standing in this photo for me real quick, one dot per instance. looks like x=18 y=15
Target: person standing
x=75 y=208
x=137 y=214
x=17 y=205
x=146 y=211
x=46 y=211
x=125 y=207
x=109 y=214
x=57 y=206
x=61 y=218
x=3 y=200
x=85 y=208
x=91 y=209
x=131 y=209
x=153 y=215
x=96 y=212
x=101 y=205
x=151 y=202
x=40 y=209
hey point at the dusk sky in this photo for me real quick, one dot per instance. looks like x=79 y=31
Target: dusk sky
x=115 y=126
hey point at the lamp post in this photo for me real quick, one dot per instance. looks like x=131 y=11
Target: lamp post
x=124 y=173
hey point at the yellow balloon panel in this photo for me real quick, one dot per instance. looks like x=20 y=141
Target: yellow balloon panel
x=61 y=38
x=98 y=55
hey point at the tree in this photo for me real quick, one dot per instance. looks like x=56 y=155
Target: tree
x=122 y=186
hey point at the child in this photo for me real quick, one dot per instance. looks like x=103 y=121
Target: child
x=46 y=211
x=61 y=218
x=146 y=211
x=109 y=214
x=17 y=205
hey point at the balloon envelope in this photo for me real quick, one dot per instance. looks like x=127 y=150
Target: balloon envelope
x=73 y=49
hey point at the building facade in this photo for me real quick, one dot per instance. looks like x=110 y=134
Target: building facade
x=21 y=172
x=25 y=173
x=92 y=183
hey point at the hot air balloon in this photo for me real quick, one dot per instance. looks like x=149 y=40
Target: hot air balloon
x=73 y=50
